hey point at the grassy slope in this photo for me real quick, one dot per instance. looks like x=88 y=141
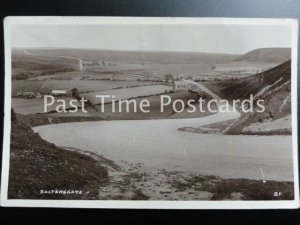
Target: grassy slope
x=155 y=109
x=270 y=55
x=242 y=88
x=276 y=86
x=29 y=66
x=96 y=115
x=259 y=59
x=36 y=164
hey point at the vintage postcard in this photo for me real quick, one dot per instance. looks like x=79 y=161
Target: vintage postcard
x=171 y=113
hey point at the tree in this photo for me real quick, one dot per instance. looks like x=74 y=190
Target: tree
x=75 y=93
x=169 y=77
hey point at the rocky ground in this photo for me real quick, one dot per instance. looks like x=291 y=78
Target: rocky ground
x=129 y=181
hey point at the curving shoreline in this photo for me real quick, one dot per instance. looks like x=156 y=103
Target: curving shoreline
x=159 y=143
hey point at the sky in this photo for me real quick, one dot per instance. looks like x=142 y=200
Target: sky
x=231 y=39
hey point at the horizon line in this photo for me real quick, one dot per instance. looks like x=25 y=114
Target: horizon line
x=154 y=51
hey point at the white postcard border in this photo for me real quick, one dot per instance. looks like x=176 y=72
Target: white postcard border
x=149 y=204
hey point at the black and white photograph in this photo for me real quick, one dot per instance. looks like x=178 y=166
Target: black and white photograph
x=125 y=112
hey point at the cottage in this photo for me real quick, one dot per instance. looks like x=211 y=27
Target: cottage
x=179 y=85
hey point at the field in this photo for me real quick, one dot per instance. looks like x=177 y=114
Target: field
x=31 y=106
x=57 y=63
x=82 y=85
x=127 y=93
x=132 y=75
x=155 y=112
x=102 y=64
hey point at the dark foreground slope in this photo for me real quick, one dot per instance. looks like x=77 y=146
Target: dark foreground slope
x=37 y=165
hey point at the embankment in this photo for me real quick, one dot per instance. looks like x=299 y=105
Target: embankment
x=37 y=165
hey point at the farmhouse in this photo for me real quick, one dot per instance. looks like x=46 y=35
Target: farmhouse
x=29 y=94
x=179 y=85
x=59 y=93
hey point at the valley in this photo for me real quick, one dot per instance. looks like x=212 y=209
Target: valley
x=201 y=149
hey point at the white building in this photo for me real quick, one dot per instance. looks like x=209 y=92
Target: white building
x=179 y=85
x=59 y=92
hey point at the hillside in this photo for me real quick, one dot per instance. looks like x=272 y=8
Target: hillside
x=29 y=66
x=255 y=61
x=30 y=63
x=243 y=87
x=274 y=86
x=270 y=55
x=36 y=165
x=134 y=57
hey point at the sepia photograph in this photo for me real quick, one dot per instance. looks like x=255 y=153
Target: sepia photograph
x=124 y=112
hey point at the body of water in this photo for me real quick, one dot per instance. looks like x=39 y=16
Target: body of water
x=158 y=143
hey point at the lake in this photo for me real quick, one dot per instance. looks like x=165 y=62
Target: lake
x=158 y=144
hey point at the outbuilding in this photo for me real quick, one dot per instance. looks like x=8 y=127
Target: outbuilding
x=59 y=93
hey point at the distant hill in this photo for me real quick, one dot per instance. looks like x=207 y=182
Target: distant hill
x=29 y=63
x=268 y=55
x=25 y=66
x=135 y=57
x=255 y=61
